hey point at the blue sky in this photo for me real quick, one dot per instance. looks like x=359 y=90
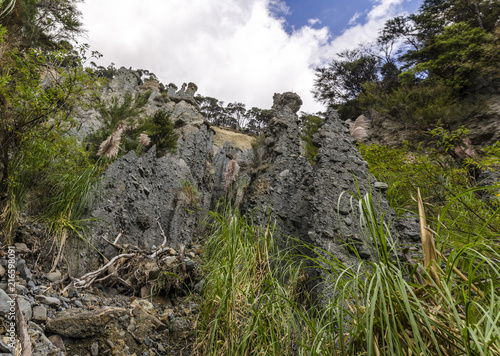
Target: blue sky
x=336 y=14
x=235 y=50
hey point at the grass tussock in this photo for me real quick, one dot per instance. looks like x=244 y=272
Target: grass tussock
x=432 y=305
x=251 y=293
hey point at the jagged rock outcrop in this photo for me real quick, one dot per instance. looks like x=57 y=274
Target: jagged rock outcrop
x=312 y=203
x=141 y=196
x=138 y=197
x=127 y=81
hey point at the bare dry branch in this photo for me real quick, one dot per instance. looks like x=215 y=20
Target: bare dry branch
x=89 y=278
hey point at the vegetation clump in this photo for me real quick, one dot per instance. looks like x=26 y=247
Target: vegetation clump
x=427 y=68
x=126 y=130
x=42 y=81
x=463 y=211
x=310 y=127
x=257 y=301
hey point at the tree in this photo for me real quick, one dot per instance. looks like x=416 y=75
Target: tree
x=461 y=56
x=342 y=80
x=37 y=94
x=161 y=130
x=400 y=31
x=49 y=24
x=475 y=13
x=238 y=112
x=212 y=109
x=258 y=119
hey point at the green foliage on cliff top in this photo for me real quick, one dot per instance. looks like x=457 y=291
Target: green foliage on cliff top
x=425 y=68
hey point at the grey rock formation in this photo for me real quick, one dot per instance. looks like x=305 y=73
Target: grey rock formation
x=50 y=301
x=313 y=203
x=146 y=200
x=186 y=93
x=141 y=196
x=129 y=81
x=172 y=88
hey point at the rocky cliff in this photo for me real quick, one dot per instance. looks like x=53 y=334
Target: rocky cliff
x=147 y=200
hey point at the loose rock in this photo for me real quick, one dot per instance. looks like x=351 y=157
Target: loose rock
x=50 y=301
x=39 y=313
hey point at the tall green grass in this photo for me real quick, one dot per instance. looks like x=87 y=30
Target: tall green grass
x=252 y=291
x=385 y=306
x=69 y=198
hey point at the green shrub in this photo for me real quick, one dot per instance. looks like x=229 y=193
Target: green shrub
x=39 y=91
x=444 y=182
x=461 y=56
x=424 y=105
x=161 y=131
x=52 y=178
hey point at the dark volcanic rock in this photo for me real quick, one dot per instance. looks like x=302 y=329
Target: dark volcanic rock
x=140 y=194
x=313 y=203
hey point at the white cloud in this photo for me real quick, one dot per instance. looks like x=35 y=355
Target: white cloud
x=313 y=22
x=279 y=7
x=354 y=18
x=234 y=50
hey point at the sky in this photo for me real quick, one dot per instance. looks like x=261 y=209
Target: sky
x=235 y=50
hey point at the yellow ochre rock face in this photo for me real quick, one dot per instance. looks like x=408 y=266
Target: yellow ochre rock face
x=237 y=140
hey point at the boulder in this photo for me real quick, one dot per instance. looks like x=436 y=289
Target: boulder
x=82 y=324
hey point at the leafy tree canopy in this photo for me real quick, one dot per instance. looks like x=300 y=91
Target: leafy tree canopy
x=343 y=78
x=49 y=24
x=421 y=65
